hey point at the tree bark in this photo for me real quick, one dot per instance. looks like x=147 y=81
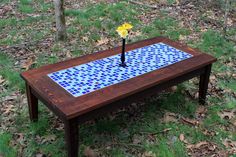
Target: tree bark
x=226 y=17
x=60 y=20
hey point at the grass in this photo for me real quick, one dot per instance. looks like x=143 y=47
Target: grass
x=94 y=17
x=113 y=135
x=5 y=148
x=7 y=71
x=166 y=26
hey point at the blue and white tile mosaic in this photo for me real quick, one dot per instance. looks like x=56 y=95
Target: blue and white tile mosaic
x=86 y=78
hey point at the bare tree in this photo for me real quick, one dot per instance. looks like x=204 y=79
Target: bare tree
x=60 y=19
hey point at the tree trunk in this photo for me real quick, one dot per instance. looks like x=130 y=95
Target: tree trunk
x=60 y=20
x=226 y=17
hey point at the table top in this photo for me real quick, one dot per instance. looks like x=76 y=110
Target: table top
x=92 y=76
x=82 y=84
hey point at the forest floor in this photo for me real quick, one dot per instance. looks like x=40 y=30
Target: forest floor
x=171 y=124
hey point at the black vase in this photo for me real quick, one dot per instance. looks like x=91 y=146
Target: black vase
x=122 y=58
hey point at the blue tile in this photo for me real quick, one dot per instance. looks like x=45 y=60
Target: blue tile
x=86 y=78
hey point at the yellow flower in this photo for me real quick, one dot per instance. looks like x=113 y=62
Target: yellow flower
x=120 y=28
x=123 y=29
x=127 y=26
x=123 y=33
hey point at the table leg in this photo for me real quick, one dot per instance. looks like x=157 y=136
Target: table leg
x=32 y=103
x=203 y=84
x=72 y=137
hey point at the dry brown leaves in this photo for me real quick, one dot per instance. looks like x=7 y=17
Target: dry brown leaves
x=2 y=80
x=201 y=112
x=170 y=117
x=102 y=41
x=137 y=139
x=181 y=137
x=28 y=63
x=88 y=152
x=227 y=114
x=230 y=145
x=205 y=148
x=4 y=10
x=148 y=154
x=48 y=139
x=40 y=155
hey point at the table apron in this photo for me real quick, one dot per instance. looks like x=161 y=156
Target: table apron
x=140 y=95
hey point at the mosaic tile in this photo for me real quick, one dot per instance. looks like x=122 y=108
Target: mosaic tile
x=86 y=78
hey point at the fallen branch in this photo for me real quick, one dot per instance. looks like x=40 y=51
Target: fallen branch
x=158 y=132
x=142 y=4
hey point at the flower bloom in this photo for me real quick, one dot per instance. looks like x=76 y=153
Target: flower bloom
x=123 y=33
x=127 y=26
x=123 y=29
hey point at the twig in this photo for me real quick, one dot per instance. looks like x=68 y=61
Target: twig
x=158 y=132
x=146 y=5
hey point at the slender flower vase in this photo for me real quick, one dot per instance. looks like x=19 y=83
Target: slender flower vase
x=122 y=57
x=123 y=31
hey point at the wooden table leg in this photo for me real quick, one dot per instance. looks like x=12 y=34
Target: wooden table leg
x=32 y=103
x=72 y=137
x=203 y=84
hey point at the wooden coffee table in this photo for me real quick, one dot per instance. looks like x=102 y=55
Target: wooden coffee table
x=82 y=88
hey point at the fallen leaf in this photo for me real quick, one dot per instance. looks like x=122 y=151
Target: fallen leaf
x=173 y=88
x=170 y=117
x=68 y=54
x=28 y=63
x=226 y=114
x=9 y=98
x=136 y=139
x=198 y=145
x=88 y=152
x=148 y=154
x=209 y=133
x=20 y=138
x=85 y=39
x=48 y=138
x=177 y=2
x=230 y=145
x=163 y=2
x=166 y=130
x=182 y=37
x=181 y=137
x=102 y=41
x=8 y=109
x=40 y=155
x=1 y=79
x=203 y=148
x=201 y=111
